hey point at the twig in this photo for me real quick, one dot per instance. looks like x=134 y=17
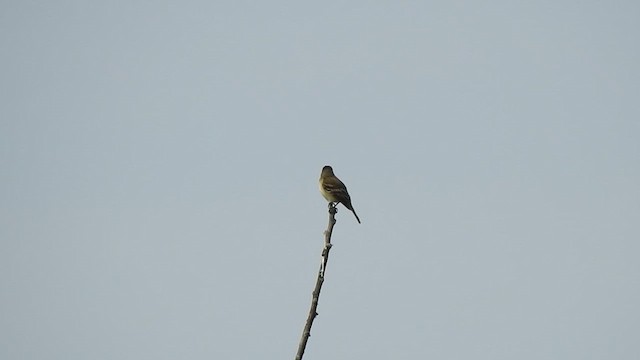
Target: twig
x=306 y=332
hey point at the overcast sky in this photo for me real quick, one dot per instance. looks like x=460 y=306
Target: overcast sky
x=159 y=164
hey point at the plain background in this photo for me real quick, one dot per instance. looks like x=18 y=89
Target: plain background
x=159 y=165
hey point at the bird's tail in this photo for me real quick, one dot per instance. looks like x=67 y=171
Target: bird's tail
x=354 y=213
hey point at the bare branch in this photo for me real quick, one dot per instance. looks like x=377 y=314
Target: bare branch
x=306 y=332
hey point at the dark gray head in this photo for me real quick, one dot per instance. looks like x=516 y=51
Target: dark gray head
x=327 y=170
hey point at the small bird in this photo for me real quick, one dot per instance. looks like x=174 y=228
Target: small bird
x=334 y=190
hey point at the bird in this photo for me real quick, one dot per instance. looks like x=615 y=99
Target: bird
x=334 y=190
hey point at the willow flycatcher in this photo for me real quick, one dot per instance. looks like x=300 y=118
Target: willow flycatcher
x=334 y=190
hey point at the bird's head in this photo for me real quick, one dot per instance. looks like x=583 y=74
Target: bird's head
x=327 y=170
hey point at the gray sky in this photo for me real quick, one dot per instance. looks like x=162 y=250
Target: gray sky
x=159 y=179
